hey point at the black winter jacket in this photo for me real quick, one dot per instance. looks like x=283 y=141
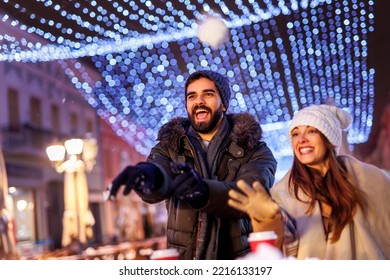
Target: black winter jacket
x=243 y=156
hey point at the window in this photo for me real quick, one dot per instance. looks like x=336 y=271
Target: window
x=108 y=158
x=55 y=117
x=24 y=214
x=89 y=126
x=74 y=122
x=35 y=111
x=13 y=109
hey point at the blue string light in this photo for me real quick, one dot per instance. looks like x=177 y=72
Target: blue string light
x=281 y=56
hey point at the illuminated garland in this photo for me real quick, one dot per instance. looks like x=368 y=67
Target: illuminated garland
x=281 y=56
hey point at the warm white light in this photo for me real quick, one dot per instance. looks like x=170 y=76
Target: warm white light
x=56 y=152
x=21 y=205
x=74 y=146
x=11 y=190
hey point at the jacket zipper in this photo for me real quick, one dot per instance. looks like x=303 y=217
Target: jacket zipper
x=198 y=234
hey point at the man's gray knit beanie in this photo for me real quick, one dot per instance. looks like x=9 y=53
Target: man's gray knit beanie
x=220 y=81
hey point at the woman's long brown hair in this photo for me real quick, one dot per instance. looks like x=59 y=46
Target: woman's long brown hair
x=336 y=189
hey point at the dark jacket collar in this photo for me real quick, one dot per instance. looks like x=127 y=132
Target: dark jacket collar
x=246 y=131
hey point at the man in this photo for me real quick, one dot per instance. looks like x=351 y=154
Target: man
x=195 y=164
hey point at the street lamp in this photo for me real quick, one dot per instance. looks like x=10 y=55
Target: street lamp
x=74 y=159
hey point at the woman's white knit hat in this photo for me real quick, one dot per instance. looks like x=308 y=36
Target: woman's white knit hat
x=328 y=119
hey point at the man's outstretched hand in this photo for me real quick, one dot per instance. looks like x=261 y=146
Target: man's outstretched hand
x=143 y=177
x=189 y=186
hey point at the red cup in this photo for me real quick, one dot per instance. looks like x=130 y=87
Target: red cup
x=165 y=254
x=262 y=237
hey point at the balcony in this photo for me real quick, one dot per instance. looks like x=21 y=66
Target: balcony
x=28 y=139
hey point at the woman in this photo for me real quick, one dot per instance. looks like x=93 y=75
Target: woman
x=339 y=206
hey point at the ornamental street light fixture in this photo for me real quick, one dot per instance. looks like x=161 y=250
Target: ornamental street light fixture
x=74 y=159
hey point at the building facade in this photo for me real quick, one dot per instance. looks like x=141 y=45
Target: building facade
x=39 y=106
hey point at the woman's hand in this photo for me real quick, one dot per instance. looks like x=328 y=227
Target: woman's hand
x=255 y=201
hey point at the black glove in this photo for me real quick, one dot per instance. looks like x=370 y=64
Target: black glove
x=143 y=177
x=189 y=186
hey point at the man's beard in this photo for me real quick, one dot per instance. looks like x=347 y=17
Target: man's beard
x=205 y=127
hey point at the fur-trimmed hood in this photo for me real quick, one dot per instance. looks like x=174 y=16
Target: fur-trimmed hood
x=246 y=131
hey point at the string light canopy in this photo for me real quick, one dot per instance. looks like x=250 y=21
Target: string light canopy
x=280 y=56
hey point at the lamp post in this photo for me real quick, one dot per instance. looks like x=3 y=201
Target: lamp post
x=74 y=159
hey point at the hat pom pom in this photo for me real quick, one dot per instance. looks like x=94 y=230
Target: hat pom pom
x=344 y=118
